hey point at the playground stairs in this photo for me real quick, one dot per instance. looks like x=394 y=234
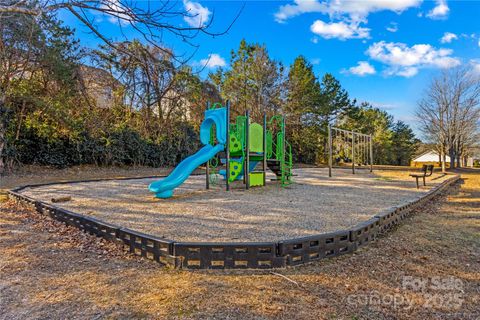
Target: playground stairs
x=276 y=167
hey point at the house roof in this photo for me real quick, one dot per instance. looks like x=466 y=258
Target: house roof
x=429 y=156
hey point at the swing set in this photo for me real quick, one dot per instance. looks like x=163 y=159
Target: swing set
x=345 y=146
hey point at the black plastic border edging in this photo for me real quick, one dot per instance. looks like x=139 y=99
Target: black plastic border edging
x=233 y=255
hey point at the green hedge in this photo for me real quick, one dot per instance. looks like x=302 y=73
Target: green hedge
x=121 y=147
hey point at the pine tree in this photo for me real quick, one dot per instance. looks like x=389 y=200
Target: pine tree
x=302 y=103
x=404 y=144
x=253 y=83
x=335 y=100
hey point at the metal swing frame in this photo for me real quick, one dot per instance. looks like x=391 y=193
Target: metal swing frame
x=365 y=142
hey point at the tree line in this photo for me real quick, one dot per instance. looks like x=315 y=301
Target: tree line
x=310 y=103
x=50 y=113
x=449 y=114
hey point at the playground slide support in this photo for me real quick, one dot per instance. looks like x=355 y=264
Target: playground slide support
x=207 y=169
x=227 y=147
x=264 y=148
x=246 y=169
x=207 y=175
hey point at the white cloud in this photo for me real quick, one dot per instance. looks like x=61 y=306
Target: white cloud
x=362 y=69
x=314 y=40
x=405 y=61
x=348 y=14
x=479 y=42
x=386 y=105
x=440 y=11
x=197 y=15
x=407 y=72
x=357 y=10
x=116 y=7
x=212 y=61
x=340 y=30
x=315 y=61
x=393 y=27
x=299 y=7
x=363 y=8
x=448 y=37
x=475 y=63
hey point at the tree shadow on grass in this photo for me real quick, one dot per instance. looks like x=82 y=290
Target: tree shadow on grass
x=68 y=281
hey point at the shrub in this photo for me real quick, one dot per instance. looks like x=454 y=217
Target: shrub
x=124 y=146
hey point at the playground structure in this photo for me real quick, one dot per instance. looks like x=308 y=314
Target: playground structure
x=350 y=147
x=226 y=230
x=239 y=147
x=272 y=229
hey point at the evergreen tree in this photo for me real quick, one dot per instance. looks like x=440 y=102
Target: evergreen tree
x=404 y=144
x=38 y=92
x=301 y=109
x=253 y=83
x=335 y=100
x=377 y=123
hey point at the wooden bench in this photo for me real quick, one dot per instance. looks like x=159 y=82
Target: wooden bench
x=426 y=171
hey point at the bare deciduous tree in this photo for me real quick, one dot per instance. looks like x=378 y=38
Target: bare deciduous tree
x=449 y=114
x=148 y=78
x=151 y=20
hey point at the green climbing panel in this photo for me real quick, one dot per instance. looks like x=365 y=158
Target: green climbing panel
x=256 y=179
x=235 y=143
x=256 y=137
x=269 y=144
x=279 y=146
x=235 y=170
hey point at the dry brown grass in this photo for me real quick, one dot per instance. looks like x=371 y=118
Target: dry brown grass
x=50 y=271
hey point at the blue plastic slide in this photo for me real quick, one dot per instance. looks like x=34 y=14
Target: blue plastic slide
x=164 y=188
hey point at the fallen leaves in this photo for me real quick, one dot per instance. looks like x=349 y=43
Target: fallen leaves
x=49 y=270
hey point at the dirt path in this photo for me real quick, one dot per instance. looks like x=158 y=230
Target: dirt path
x=45 y=272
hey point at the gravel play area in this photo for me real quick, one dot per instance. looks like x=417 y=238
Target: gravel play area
x=313 y=204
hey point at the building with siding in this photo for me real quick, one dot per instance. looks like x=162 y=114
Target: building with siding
x=433 y=157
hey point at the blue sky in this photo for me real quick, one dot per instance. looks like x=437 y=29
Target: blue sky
x=382 y=51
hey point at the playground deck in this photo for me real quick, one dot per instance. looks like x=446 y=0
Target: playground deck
x=314 y=204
